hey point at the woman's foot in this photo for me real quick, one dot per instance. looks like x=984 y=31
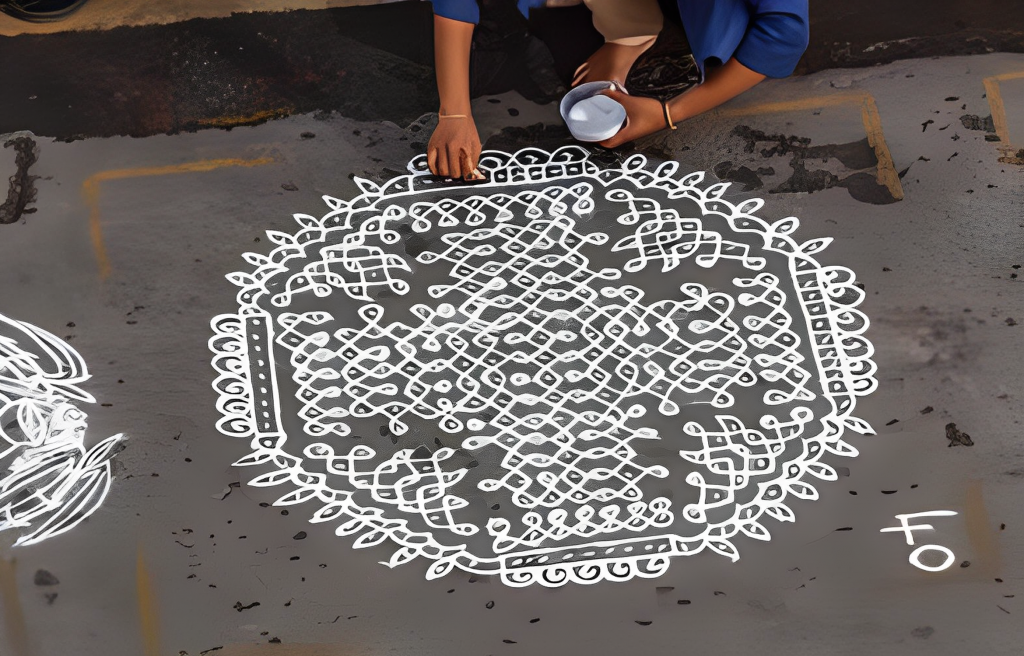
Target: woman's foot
x=612 y=62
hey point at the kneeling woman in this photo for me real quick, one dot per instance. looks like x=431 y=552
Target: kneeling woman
x=735 y=43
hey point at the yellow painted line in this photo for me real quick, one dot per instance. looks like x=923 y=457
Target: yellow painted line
x=801 y=104
x=995 y=103
x=980 y=532
x=14 y=616
x=230 y=121
x=149 y=621
x=287 y=649
x=887 y=175
x=91 y=193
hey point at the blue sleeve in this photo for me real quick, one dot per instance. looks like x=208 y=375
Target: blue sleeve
x=776 y=37
x=467 y=11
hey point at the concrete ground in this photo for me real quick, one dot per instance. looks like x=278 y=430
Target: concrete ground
x=121 y=245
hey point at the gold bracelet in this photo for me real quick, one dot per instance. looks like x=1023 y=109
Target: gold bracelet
x=668 y=117
x=451 y=116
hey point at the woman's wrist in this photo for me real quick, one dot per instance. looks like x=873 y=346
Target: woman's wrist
x=677 y=109
x=455 y=109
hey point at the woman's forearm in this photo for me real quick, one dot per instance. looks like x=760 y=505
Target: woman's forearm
x=722 y=84
x=452 y=42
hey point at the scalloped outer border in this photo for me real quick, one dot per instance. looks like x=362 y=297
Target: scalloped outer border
x=827 y=296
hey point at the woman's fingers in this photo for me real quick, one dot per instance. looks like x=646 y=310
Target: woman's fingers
x=442 y=162
x=616 y=93
x=581 y=73
x=454 y=161
x=615 y=141
x=467 y=164
x=432 y=160
x=475 y=155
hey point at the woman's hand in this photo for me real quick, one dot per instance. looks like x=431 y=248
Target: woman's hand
x=454 y=148
x=644 y=116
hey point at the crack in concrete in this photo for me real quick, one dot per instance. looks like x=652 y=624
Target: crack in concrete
x=22 y=190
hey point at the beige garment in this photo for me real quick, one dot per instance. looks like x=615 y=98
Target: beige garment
x=628 y=22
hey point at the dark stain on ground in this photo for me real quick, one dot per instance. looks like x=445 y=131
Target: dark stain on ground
x=21 y=189
x=974 y=122
x=986 y=125
x=855 y=157
x=539 y=135
x=552 y=137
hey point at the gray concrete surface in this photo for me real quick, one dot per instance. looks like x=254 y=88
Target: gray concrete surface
x=937 y=267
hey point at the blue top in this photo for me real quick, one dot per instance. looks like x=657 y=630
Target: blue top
x=766 y=36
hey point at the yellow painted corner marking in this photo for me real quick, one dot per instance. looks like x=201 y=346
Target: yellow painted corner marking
x=887 y=175
x=91 y=193
x=979 y=530
x=230 y=121
x=14 y=616
x=149 y=622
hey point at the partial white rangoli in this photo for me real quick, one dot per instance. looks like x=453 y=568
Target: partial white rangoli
x=525 y=378
x=49 y=480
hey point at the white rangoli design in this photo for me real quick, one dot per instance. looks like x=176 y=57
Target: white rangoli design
x=525 y=378
x=49 y=480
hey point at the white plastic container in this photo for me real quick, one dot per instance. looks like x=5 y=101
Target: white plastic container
x=591 y=115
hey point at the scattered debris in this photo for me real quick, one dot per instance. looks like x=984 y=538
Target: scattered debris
x=957 y=437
